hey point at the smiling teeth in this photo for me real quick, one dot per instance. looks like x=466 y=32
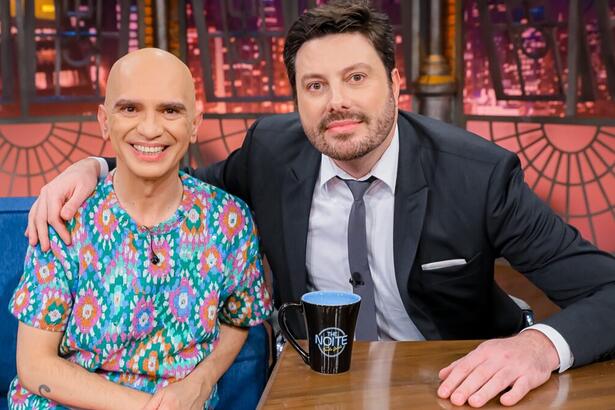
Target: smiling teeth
x=148 y=150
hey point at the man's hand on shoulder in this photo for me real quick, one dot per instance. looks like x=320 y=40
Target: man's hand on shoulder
x=59 y=200
x=522 y=362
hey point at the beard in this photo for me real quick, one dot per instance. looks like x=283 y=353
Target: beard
x=348 y=147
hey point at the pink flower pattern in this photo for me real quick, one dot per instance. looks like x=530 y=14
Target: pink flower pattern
x=133 y=322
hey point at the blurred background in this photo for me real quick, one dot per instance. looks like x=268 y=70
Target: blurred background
x=536 y=77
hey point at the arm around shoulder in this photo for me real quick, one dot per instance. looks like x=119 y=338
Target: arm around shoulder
x=59 y=200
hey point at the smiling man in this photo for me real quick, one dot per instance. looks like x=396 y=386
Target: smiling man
x=352 y=194
x=150 y=119
x=346 y=112
x=150 y=304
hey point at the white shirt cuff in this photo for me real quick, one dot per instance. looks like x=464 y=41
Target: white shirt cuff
x=566 y=359
x=104 y=167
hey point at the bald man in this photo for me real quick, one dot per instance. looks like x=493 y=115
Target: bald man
x=162 y=267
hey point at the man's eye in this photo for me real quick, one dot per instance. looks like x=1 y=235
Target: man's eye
x=129 y=108
x=314 y=86
x=355 y=78
x=170 y=111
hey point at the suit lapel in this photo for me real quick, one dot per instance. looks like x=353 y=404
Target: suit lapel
x=411 y=193
x=409 y=211
x=297 y=191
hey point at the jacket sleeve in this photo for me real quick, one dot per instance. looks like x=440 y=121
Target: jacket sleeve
x=552 y=254
x=110 y=162
x=233 y=173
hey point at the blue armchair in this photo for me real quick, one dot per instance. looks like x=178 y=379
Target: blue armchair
x=240 y=388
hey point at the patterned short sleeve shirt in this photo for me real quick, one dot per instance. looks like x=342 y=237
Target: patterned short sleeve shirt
x=137 y=323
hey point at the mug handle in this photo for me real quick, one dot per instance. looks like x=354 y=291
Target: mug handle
x=286 y=330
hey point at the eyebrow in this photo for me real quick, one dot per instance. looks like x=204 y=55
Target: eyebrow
x=178 y=106
x=173 y=105
x=124 y=102
x=352 y=67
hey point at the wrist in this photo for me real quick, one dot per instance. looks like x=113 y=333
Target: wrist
x=99 y=165
x=202 y=381
x=134 y=399
x=544 y=346
x=95 y=164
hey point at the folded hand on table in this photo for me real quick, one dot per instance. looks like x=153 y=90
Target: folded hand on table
x=185 y=394
x=522 y=362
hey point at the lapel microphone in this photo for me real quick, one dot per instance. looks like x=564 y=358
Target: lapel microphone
x=356 y=279
x=154 y=259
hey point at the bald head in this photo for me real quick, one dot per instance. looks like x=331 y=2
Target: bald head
x=146 y=70
x=149 y=114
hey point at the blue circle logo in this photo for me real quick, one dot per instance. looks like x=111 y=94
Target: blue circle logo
x=331 y=341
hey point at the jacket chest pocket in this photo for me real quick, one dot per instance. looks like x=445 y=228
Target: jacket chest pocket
x=449 y=271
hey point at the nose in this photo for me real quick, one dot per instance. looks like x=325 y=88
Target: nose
x=149 y=126
x=338 y=98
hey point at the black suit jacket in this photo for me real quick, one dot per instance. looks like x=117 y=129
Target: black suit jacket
x=457 y=196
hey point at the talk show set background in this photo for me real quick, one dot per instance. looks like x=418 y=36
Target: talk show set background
x=536 y=77
x=530 y=76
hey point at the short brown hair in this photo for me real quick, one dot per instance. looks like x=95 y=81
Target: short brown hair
x=341 y=16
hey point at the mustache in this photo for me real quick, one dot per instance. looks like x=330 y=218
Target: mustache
x=339 y=116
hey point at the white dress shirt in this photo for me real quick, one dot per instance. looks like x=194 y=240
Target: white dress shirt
x=327 y=251
x=327 y=240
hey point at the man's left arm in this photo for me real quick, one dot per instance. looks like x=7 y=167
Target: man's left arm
x=193 y=391
x=572 y=272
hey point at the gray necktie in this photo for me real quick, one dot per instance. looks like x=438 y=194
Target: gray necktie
x=361 y=277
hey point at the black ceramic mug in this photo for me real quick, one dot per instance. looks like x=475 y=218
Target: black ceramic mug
x=330 y=318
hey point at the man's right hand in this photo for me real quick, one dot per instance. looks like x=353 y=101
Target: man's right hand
x=59 y=200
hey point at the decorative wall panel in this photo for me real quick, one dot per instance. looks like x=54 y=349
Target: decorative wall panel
x=539 y=80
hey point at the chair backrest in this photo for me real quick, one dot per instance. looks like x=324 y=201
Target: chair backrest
x=243 y=383
x=13 y=245
x=240 y=387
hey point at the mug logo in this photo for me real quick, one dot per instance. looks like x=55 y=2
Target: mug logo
x=331 y=341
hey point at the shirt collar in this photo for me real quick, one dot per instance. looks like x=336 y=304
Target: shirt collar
x=385 y=169
x=185 y=206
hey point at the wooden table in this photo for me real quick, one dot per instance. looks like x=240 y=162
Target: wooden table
x=404 y=375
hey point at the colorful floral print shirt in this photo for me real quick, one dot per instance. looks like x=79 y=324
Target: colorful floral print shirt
x=141 y=324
